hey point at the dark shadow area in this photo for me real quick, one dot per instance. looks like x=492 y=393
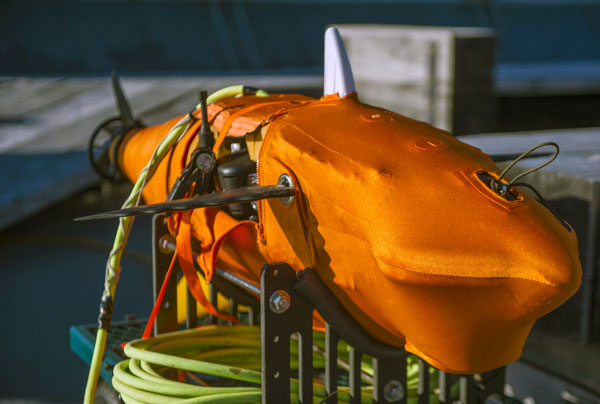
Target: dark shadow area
x=51 y=278
x=521 y=113
x=566 y=320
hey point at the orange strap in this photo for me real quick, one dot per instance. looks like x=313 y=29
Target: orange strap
x=184 y=256
x=231 y=119
x=217 y=246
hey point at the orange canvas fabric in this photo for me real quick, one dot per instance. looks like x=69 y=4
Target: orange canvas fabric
x=392 y=215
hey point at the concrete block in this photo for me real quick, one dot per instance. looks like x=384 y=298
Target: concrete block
x=441 y=75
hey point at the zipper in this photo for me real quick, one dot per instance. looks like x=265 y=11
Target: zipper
x=260 y=227
x=269 y=121
x=260 y=230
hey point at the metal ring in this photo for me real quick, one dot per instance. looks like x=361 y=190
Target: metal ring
x=286 y=180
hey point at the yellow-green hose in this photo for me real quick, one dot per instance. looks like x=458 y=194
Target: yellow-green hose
x=114 y=260
x=218 y=351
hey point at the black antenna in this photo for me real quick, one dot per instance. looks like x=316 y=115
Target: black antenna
x=124 y=111
x=205 y=137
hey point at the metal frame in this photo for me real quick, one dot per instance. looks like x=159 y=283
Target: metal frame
x=286 y=309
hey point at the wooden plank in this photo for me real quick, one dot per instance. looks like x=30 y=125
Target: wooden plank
x=31 y=183
x=552 y=78
x=32 y=95
x=574 y=172
x=74 y=117
x=15 y=87
x=67 y=125
x=569 y=140
x=43 y=158
x=441 y=75
x=185 y=101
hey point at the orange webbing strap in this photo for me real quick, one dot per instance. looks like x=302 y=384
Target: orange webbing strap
x=231 y=119
x=215 y=250
x=184 y=256
x=159 y=299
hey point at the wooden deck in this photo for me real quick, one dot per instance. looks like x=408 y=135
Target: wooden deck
x=45 y=124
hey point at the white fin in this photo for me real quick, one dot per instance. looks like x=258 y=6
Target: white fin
x=338 y=73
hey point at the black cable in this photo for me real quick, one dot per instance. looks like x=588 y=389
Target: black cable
x=502 y=188
x=543 y=202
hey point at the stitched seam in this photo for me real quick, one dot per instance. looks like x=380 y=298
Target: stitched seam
x=464 y=276
x=341 y=232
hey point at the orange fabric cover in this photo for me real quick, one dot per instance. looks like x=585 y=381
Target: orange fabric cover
x=390 y=213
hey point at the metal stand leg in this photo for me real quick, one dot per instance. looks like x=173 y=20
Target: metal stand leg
x=331 y=373
x=354 y=376
x=424 y=382
x=390 y=380
x=284 y=312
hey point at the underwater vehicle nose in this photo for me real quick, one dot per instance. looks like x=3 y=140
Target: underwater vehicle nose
x=469 y=270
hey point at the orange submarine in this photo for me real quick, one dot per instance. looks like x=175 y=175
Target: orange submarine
x=414 y=231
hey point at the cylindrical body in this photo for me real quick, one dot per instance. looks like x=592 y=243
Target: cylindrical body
x=393 y=216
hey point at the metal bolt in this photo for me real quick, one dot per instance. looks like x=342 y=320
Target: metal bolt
x=280 y=301
x=205 y=162
x=167 y=244
x=493 y=399
x=286 y=180
x=253 y=179
x=393 y=391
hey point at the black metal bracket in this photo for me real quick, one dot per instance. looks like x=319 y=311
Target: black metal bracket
x=284 y=312
x=288 y=300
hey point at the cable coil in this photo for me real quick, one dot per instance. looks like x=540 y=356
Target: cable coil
x=230 y=358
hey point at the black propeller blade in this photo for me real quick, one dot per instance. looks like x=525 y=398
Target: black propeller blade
x=245 y=194
x=124 y=110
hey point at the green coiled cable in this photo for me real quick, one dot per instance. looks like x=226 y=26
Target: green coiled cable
x=227 y=352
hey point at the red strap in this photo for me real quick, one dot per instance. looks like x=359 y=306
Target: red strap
x=159 y=299
x=184 y=256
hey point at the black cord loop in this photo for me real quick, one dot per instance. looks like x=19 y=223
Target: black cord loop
x=502 y=188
